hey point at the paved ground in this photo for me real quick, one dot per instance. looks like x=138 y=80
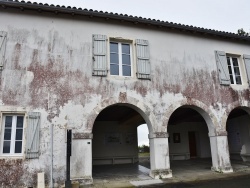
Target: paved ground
x=188 y=173
x=242 y=181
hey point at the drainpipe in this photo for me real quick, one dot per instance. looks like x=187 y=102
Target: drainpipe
x=51 y=146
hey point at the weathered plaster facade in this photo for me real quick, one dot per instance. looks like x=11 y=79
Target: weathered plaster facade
x=48 y=69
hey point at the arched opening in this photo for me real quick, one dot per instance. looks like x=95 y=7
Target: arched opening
x=238 y=129
x=143 y=146
x=115 y=143
x=189 y=144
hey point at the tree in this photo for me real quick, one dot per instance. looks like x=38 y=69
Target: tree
x=143 y=149
x=242 y=32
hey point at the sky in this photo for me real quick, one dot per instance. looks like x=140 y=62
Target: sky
x=223 y=15
x=142 y=131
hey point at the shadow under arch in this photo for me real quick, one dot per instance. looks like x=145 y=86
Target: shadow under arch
x=237 y=104
x=199 y=107
x=130 y=102
x=237 y=127
x=190 y=127
x=231 y=108
x=114 y=126
x=244 y=108
x=217 y=135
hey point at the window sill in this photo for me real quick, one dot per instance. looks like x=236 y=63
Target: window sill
x=239 y=87
x=114 y=77
x=11 y=156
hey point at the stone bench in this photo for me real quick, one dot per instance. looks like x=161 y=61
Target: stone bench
x=235 y=155
x=245 y=156
x=114 y=158
x=185 y=155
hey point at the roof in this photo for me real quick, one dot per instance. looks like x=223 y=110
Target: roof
x=23 y=5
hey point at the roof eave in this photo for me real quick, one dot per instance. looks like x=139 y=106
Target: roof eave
x=78 y=11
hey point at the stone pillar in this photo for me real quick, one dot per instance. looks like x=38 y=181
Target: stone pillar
x=220 y=152
x=81 y=158
x=159 y=156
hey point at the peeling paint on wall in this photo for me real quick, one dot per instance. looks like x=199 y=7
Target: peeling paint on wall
x=48 y=68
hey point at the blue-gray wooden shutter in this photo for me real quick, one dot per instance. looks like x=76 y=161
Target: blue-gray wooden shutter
x=221 y=61
x=3 y=40
x=32 y=135
x=247 y=65
x=99 y=55
x=143 y=61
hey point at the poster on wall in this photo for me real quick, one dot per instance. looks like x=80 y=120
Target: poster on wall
x=130 y=138
x=113 y=138
x=176 y=138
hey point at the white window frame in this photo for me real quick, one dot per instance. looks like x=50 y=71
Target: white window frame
x=120 y=57
x=13 y=135
x=232 y=69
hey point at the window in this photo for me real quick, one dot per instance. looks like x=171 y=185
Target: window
x=120 y=59
x=12 y=134
x=234 y=70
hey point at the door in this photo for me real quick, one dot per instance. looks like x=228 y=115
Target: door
x=192 y=144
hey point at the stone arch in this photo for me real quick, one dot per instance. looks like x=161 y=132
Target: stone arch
x=144 y=110
x=237 y=104
x=244 y=145
x=217 y=135
x=198 y=106
x=230 y=108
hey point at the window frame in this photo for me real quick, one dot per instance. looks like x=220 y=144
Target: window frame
x=120 y=42
x=13 y=138
x=230 y=56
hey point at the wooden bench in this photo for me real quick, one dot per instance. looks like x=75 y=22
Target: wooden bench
x=185 y=155
x=114 y=158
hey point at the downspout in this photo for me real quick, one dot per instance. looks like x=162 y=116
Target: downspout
x=51 y=146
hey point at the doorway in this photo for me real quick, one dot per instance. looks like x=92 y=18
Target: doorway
x=192 y=144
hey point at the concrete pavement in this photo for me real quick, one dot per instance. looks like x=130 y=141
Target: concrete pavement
x=184 y=172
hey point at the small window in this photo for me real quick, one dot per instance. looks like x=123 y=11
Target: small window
x=234 y=70
x=120 y=59
x=12 y=135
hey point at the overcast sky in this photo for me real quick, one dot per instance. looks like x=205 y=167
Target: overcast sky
x=142 y=131
x=224 y=15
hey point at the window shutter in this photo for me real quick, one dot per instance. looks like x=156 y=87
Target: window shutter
x=32 y=135
x=3 y=40
x=99 y=55
x=247 y=65
x=221 y=61
x=143 y=63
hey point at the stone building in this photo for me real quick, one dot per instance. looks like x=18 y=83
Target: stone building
x=102 y=75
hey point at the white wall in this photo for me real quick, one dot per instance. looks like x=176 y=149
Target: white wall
x=102 y=149
x=48 y=69
x=202 y=139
